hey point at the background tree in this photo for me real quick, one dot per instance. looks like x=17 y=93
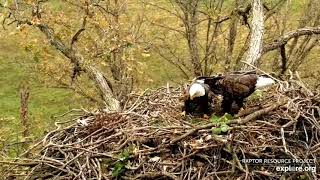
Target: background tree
x=91 y=35
x=299 y=43
x=223 y=32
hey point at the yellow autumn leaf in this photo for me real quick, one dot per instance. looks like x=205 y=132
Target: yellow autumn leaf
x=103 y=63
x=145 y=54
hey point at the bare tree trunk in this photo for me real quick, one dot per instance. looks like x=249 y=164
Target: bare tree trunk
x=24 y=97
x=194 y=52
x=111 y=103
x=193 y=39
x=123 y=80
x=256 y=40
x=231 y=41
x=190 y=20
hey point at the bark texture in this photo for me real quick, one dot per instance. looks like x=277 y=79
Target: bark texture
x=24 y=97
x=256 y=39
x=191 y=20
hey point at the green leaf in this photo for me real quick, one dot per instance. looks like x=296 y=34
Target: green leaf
x=224 y=128
x=124 y=155
x=228 y=116
x=216 y=131
x=119 y=166
x=118 y=169
x=215 y=119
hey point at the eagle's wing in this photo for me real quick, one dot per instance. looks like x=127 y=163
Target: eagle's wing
x=239 y=85
x=209 y=93
x=213 y=83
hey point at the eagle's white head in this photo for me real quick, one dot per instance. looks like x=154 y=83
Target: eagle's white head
x=196 y=90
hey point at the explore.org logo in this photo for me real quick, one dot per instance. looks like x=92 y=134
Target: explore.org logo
x=296 y=169
x=284 y=165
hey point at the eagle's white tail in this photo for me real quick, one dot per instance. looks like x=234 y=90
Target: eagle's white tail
x=263 y=82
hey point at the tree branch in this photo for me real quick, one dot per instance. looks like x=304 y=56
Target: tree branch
x=101 y=82
x=164 y=9
x=288 y=36
x=77 y=34
x=257 y=114
x=283 y=59
x=170 y=28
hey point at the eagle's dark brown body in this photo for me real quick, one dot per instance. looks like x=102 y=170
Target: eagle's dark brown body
x=236 y=85
x=234 y=88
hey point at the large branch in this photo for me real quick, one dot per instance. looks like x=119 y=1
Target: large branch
x=101 y=83
x=256 y=39
x=293 y=34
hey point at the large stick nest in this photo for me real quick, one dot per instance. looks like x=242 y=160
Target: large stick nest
x=150 y=140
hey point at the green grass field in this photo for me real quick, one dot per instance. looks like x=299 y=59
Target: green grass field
x=16 y=68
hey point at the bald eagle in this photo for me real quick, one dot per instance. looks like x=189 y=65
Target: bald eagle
x=235 y=88
x=198 y=99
